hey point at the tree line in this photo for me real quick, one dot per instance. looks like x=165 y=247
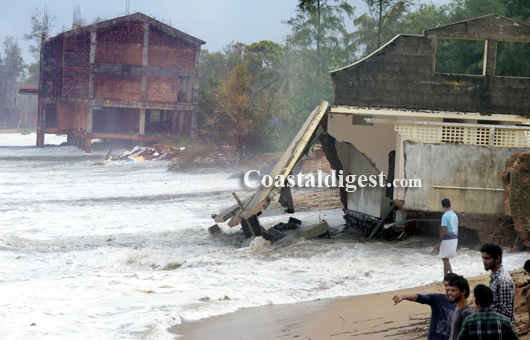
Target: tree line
x=254 y=97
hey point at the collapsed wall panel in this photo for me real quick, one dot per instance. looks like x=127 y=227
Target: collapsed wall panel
x=367 y=200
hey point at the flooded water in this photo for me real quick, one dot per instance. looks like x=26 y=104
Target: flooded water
x=93 y=249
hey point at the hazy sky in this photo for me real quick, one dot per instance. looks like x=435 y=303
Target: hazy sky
x=218 y=22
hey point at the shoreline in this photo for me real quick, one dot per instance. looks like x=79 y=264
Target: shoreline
x=369 y=317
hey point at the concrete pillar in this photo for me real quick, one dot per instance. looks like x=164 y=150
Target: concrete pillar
x=92 y=61
x=145 y=52
x=40 y=129
x=141 y=129
x=174 y=121
x=181 y=121
x=83 y=145
x=88 y=143
x=187 y=123
x=89 y=119
x=40 y=139
x=143 y=90
x=145 y=61
x=69 y=140
x=189 y=94
x=193 y=128
x=195 y=94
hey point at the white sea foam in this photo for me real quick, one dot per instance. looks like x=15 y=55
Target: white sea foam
x=114 y=250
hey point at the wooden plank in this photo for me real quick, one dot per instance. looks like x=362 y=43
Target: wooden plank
x=284 y=167
x=224 y=215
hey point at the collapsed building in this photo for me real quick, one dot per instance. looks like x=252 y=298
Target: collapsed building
x=129 y=78
x=395 y=112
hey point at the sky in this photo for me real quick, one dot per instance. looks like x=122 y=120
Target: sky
x=218 y=22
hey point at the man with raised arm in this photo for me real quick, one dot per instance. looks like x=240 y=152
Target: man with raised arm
x=441 y=310
x=458 y=292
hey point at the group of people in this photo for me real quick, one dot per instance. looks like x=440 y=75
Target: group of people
x=452 y=316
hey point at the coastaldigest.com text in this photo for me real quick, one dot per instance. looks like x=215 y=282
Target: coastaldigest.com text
x=330 y=180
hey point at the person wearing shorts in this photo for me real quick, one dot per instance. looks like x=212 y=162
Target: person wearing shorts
x=448 y=236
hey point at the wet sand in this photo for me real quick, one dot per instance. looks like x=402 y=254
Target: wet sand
x=359 y=317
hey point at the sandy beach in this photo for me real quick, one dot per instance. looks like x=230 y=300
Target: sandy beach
x=363 y=317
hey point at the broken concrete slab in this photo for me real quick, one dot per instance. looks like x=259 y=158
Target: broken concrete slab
x=213 y=230
x=307 y=232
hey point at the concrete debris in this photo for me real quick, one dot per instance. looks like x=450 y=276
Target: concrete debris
x=213 y=230
x=308 y=232
x=293 y=224
x=281 y=230
x=155 y=152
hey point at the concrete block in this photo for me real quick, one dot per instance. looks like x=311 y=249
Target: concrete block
x=308 y=232
x=213 y=230
x=294 y=221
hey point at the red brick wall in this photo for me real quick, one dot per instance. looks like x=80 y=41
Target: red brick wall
x=75 y=81
x=121 y=44
x=119 y=87
x=161 y=89
x=65 y=116
x=77 y=48
x=168 y=51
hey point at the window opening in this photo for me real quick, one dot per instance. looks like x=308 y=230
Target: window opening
x=513 y=59
x=458 y=56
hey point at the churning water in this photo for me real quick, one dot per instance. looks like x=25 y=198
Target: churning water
x=91 y=249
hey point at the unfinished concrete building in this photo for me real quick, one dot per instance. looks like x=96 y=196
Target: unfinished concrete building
x=130 y=78
x=395 y=112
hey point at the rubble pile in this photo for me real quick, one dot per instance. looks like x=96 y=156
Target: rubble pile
x=281 y=229
x=155 y=153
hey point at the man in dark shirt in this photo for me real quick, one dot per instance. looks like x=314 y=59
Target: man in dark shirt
x=441 y=308
x=486 y=324
x=458 y=292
